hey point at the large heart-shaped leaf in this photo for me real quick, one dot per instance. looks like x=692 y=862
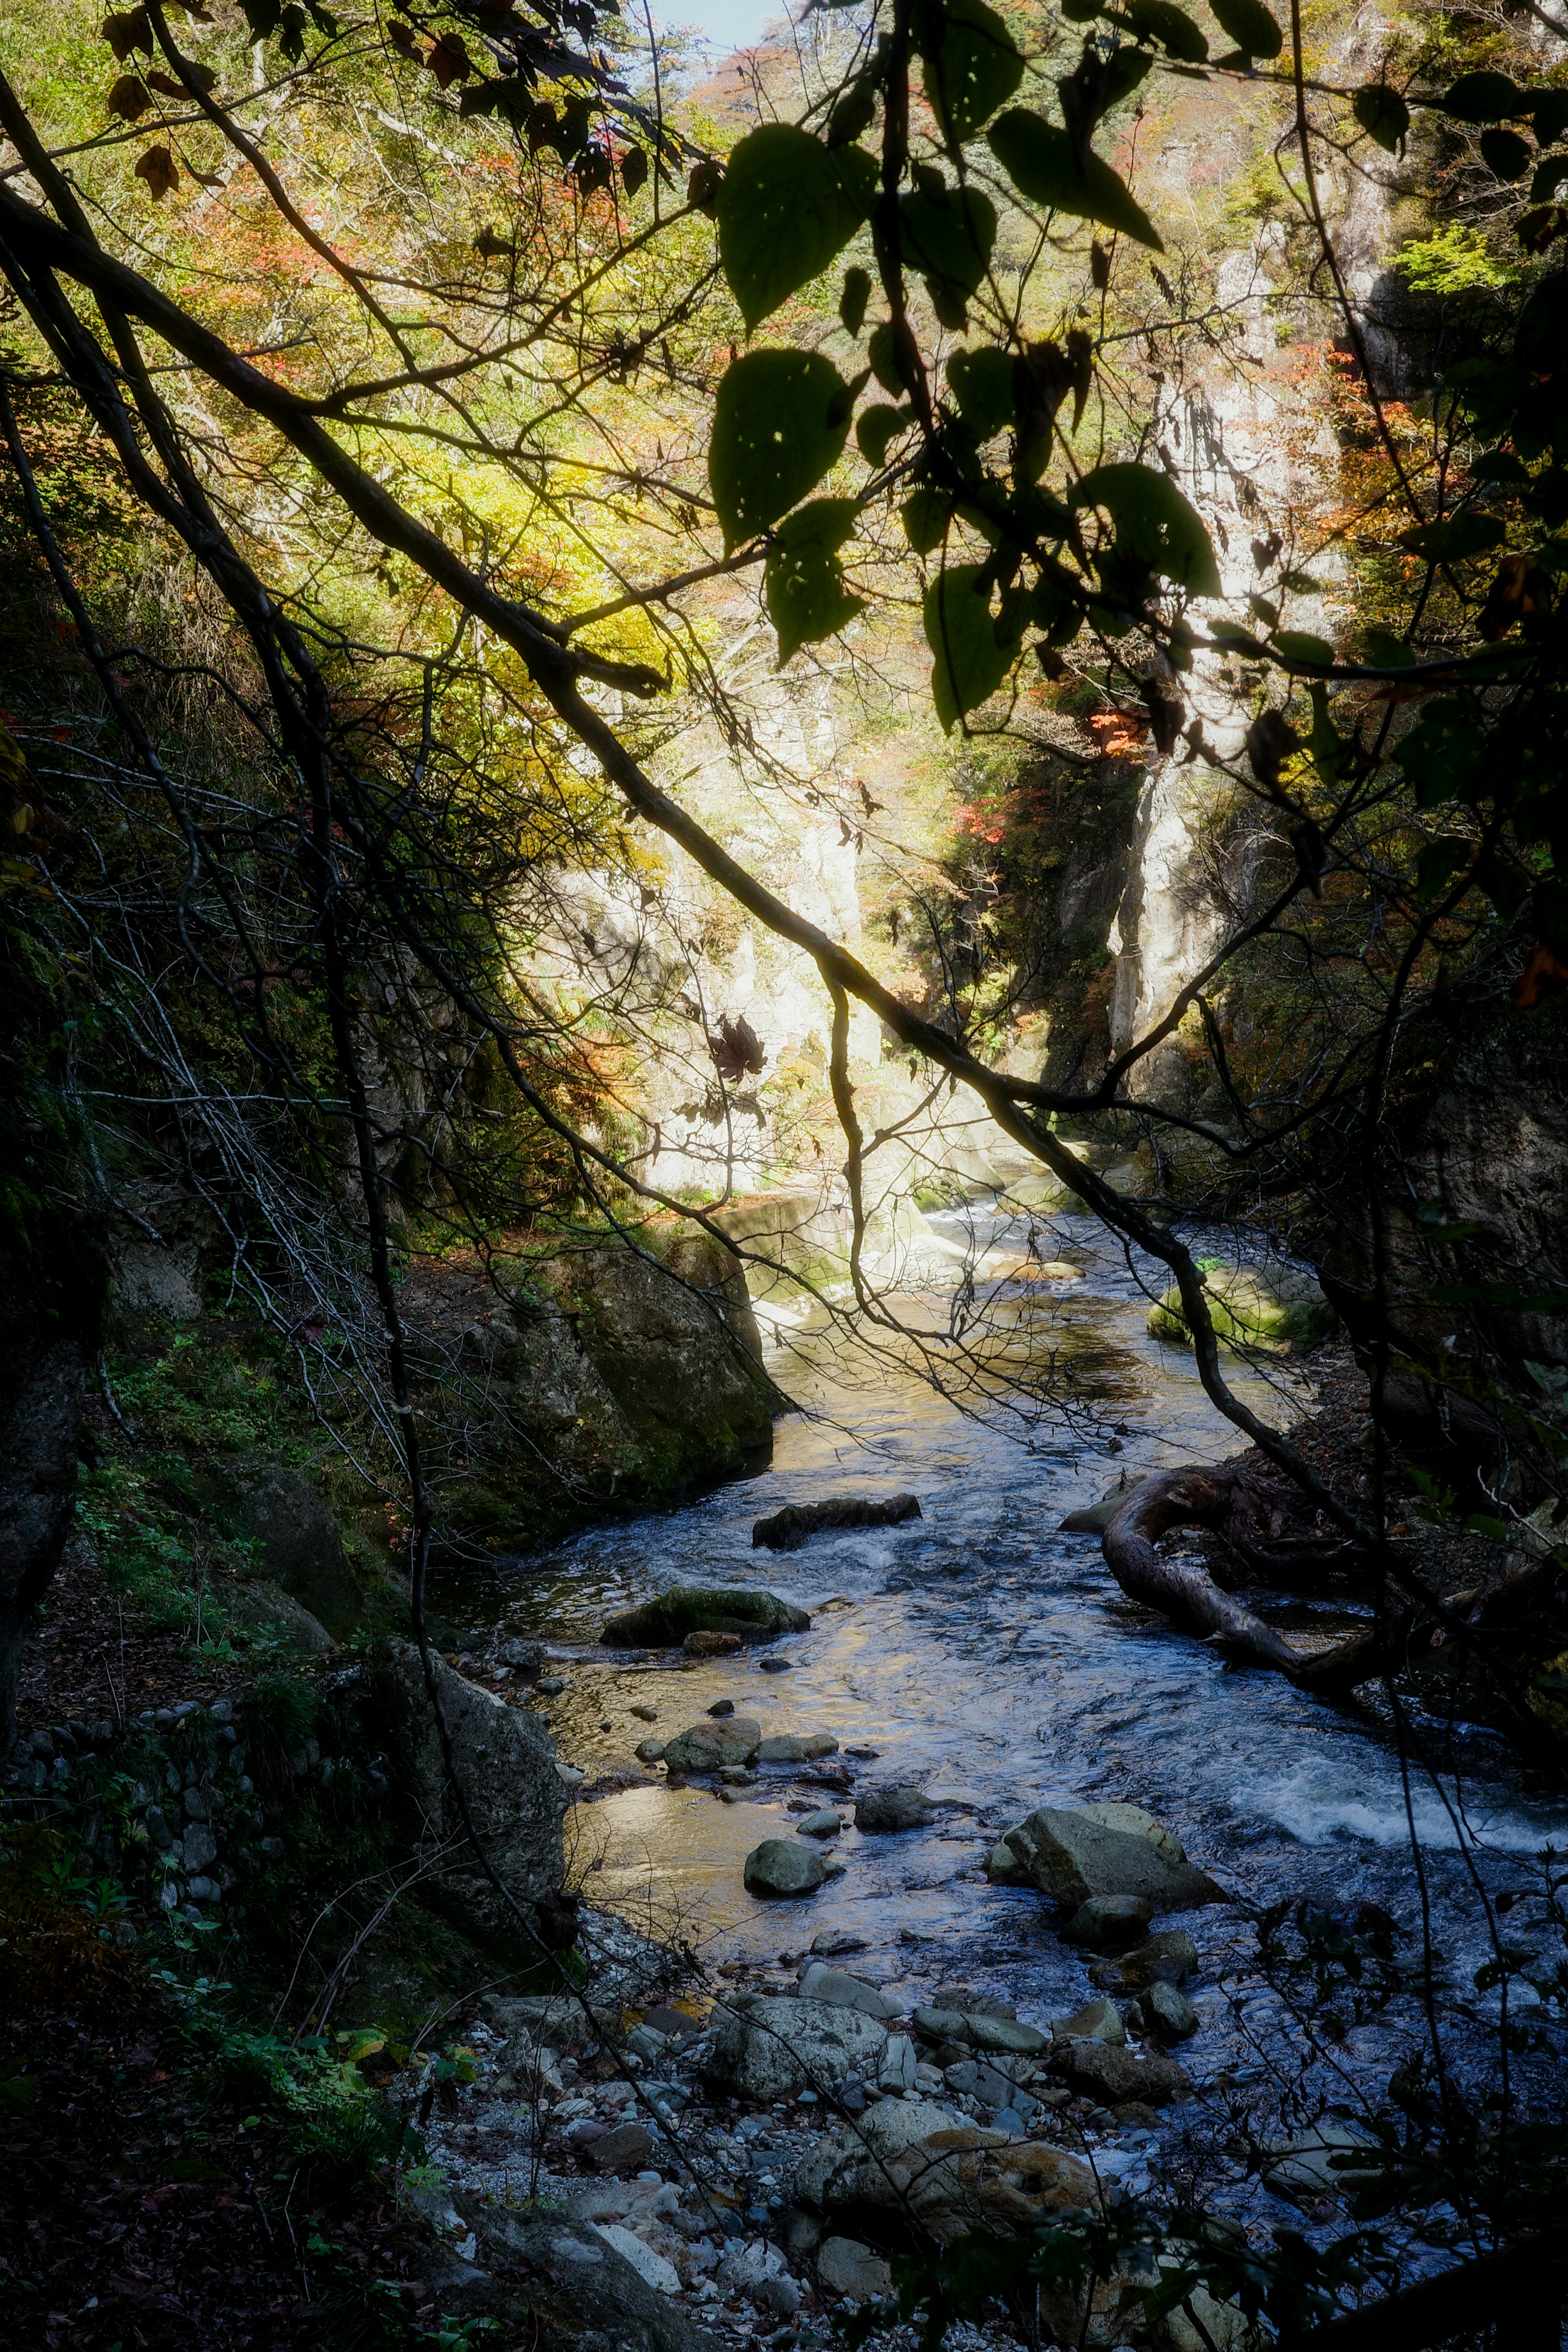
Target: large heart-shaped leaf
x=1038 y=160
x=1162 y=21
x=1381 y=114
x=961 y=631
x=1155 y=525
x=1482 y=98
x=803 y=581
x=1451 y=542
x=780 y=420
x=982 y=385
x=971 y=65
x=1250 y=26
x=787 y=207
x=948 y=237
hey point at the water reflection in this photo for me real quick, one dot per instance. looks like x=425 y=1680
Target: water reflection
x=981 y=1652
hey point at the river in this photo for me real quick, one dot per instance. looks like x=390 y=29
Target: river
x=990 y=1657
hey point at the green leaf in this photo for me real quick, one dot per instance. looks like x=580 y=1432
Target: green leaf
x=1437 y=864
x=1123 y=71
x=882 y=350
x=1250 y=26
x=1153 y=523
x=948 y=236
x=1381 y=114
x=1550 y=120
x=1382 y=650
x=803 y=581
x=786 y=207
x=971 y=65
x=1506 y=156
x=1481 y=97
x=926 y=513
x=1443 y=754
x=853 y=299
x=780 y=421
x=1301 y=645
x=982 y=383
x=1452 y=541
x=1038 y=160
x=961 y=631
x=875 y=428
x=1159 y=20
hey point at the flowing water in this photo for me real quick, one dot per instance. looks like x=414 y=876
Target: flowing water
x=990 y=1657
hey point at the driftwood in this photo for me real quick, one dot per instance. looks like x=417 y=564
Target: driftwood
x=1253 y=1517
x=1262 y=1527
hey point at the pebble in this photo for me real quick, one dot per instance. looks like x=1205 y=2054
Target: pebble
x=778 y=1666
x=645 y=1714
x=552 y=1686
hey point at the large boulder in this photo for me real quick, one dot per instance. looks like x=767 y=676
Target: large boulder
x=1272 y=1310
x=709 y=1746
x=767 y=2049
x=1071 y=1856
x=606 y=1379
x=505 y=1759
x=665 y=1621
x=892 y=1805
x=845 y=1991
x=783 y=1866
x=916 y=2160
x=281 y=1519
x=577 y=2281
x=977 y=2031
x=1108 y=2074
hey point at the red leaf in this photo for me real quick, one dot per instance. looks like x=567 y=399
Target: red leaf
x=448 y=60
x=157 y=167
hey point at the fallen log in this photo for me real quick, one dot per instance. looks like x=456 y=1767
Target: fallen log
x=1184 y=1589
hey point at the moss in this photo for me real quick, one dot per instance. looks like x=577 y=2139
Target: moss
x=1251 y=1308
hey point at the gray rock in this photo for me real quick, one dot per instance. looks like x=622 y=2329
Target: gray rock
x=977 y=2031
x=767 y=2049
x=1072 y=1857
x=1107 y=1921
x=590 y=2292
x=1304 y=2167
x=796 y=1747
x=845 y=2267
x=624 y=2149
x=294 y=1537
x=831 y=1942
x=1100 y=2021
x=649 y=1751
x=506 y=1761
x=824 y=1825
x=1167 y=1958
x=670 y=1616
x=706 y=1746
x=782 y=1866
x=1167 y=2013
x=554 y=2020
x=1099 y=2071
x=651 y=2267
x=199 y=1846
x=846 y=1991
x=900 y=2065
x=1003 y=1867
x=895 y=1805
x=787 y=1529
x=204 y=1890
x=158 y=1829
x=523 y=1657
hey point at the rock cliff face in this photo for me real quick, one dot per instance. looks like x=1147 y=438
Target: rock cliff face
x=591 y=1381
x=1472 y=1227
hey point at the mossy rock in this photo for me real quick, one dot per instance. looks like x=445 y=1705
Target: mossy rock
x=1263 y=1309
x=669 y=1617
